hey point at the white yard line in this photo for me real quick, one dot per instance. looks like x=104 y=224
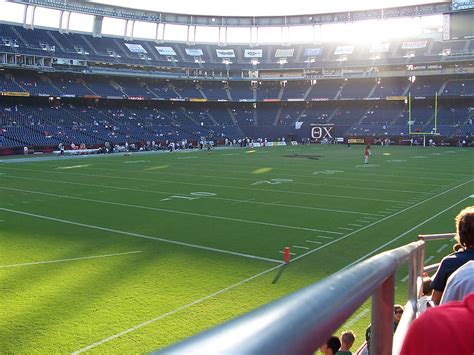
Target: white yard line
x=441 y=248
x=173 y=211
x=282 y=252
x=106 y=340
x=354 y=224
x=187 y=167
x=249 y=179
x=346 y=229
x=428 y=259
x=384 y=219
x=324 y=237
x=213 y=185
x=299 y=247
x=140 y=235
x=356 y=318
x=72 y=259
x=408 y=231
x=177 y=193
x=313 y=241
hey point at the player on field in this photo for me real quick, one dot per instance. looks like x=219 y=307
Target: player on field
x=367 y=152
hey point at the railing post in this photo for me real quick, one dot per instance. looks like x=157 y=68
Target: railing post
x=412 y=274
x=415 y=272
x=382 y=318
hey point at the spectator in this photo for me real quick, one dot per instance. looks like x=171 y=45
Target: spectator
x=459 y=284
x=450 y=263
x=347 y=339
x=446 y=329
x=331 y=347
x=397 y=315
x=427 y=289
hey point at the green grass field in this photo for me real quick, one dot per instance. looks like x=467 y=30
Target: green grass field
x=116 y=254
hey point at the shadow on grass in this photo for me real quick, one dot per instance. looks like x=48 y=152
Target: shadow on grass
x=71 y=303
x=278 y=275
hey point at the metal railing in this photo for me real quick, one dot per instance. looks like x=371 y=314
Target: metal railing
x=301 y=322
x=427 y=237
x=411 y=310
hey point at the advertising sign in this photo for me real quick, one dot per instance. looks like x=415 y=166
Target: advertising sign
x=380 y=48
x=321 y=131
x=341 y=50
x=463 y=4
x=194 y=52
x=225 y=53
x=312 y=52
x=284 y=53
x=166 y=51
x=135 y=48
x=253 y=53
x=414 y=44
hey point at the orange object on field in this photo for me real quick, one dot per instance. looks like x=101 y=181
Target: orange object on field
x=287 y=255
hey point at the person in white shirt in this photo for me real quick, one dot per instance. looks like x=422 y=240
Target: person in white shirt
x=459 y=284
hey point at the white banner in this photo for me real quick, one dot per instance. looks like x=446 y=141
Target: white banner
x=225 y=53
x=380 y=48
x=344 y=50
x=463 y=4
x=194 y=52
x=414 y=44
x=166 y=51
x=253 y=53
x=312 y=52
x=135 y=48
x=284 y=53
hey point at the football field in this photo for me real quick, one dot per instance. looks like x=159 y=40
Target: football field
x=128 y=254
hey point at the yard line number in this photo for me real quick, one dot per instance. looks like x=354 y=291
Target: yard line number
x=272 y=181
x=191 y=196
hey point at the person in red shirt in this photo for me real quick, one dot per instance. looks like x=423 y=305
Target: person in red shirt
x=367 y=152
x=445 y=329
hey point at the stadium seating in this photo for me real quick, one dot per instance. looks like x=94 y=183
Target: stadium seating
x=114 y=50
x=94 y=105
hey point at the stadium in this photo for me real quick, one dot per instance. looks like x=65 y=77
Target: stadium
x=236 y=178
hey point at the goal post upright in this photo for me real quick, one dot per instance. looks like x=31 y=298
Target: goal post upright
x=436 y=113
x=410 y=122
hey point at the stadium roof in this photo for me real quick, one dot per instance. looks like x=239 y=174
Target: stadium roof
x=245 y=13
x=261 y=7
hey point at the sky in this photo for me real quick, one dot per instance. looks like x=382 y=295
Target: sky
x=261 y=7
